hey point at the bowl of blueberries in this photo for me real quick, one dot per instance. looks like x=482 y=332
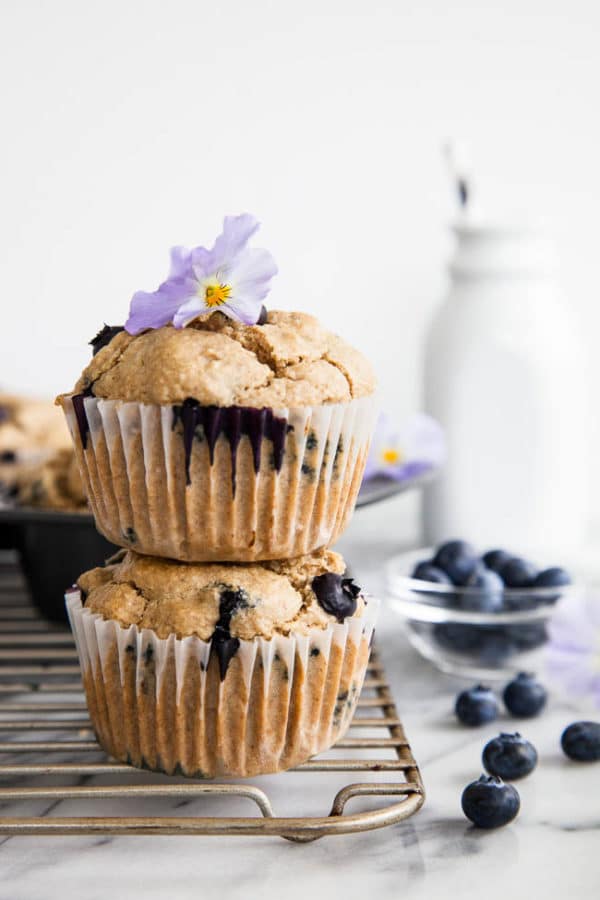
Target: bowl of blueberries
x=475 y=615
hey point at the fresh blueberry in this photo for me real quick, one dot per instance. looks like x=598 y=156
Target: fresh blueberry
x=489 y=803
x=495 y=645
x=476 y=706
x=550 y=578
x=528 y=636
x=485 y=591
x=554 y=577
x=518 y=573
x=457 y=559
x=525 y=696
x=426 y=571
x=509 y=756
x=485 y=580
x=457 y=637
x=520 y=601
x=495 y=559
x=581 y=741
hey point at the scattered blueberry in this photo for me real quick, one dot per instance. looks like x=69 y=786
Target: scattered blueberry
x=485 y=594
x=476 y=706
x=509 y=756
x=525 y=696
x=489 y=802
x=426 y=571
x=518 y=573
x=581 y=741
x=554 y=577
x=457 y=559
x=495 y=559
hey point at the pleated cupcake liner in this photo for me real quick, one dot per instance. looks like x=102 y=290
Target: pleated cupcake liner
x=227 y=488
x=166 y=705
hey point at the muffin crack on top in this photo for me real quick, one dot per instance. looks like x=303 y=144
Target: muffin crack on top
x=290 y=360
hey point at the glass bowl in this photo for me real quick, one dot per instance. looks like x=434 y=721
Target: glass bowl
x=443 y=625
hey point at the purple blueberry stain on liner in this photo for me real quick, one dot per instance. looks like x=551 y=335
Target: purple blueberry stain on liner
x=81 y=415
x=232 y=422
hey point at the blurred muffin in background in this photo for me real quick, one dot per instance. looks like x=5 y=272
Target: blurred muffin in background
x=30 y=431
x=54 y=483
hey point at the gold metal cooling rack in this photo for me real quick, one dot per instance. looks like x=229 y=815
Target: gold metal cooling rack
x=43 y=719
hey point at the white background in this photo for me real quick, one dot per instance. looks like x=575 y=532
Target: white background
x=131 y=126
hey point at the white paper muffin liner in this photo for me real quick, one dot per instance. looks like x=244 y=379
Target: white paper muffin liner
x=133 y=466
x=161 y=703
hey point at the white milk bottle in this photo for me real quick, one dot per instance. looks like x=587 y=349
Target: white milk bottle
x=504 y=376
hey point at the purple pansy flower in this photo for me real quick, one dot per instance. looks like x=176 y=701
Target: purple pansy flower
x=407 y=451
x=231 y=277
x=573 y=653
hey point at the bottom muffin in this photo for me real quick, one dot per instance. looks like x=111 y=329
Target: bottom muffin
x=206 y=670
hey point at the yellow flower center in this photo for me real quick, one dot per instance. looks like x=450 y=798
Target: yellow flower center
x=391 y=456
x=216 y=294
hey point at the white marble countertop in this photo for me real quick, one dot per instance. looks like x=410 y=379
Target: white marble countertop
x=551 y=850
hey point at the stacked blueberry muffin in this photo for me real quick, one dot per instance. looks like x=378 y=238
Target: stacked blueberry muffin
x=222 y=446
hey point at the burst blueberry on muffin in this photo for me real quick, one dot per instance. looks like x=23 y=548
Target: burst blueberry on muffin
x=211 y=430
x=208 y=669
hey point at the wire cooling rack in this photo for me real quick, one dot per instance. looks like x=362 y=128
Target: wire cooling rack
x=43 y=719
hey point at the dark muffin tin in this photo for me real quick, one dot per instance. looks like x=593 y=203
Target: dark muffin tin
x=55 y=548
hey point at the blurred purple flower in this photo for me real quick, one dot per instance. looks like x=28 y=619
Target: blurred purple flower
x=407 y=451
x=573 y=656
x=231 y=277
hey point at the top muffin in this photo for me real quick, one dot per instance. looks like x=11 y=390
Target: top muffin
x=290 y=360
x=210 y=430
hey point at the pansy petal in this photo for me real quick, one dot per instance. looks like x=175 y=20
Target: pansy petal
x=151 y=310
x=180 y=262
x=190 y=310
x=252 y=273
x=423 y=438
x=237 y=231
x=202 y=263
x=246 y=312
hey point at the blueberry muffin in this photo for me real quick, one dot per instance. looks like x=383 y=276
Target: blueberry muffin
x=223 y=441
x=30 y=430
x=53 y=484
x=207 y=669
